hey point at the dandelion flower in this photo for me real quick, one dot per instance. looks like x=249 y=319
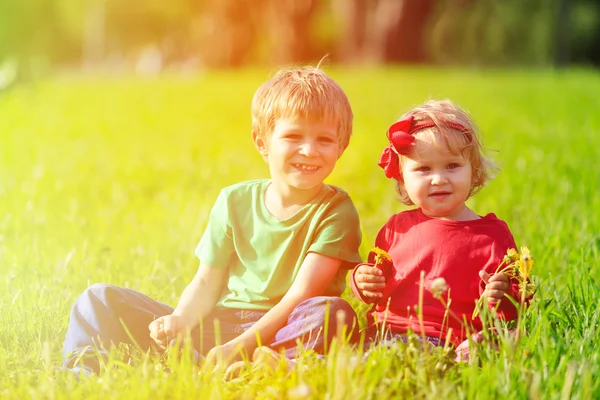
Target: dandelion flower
x=380 y=255
x=438 y=287
x=383 y=261
x=511 y=255
x=525 y=263
x=525 y=253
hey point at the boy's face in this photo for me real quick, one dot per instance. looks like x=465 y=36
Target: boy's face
x=301 y=153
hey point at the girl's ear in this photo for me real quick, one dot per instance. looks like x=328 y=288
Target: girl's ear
x=261 y=145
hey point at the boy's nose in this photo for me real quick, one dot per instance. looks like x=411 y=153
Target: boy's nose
x=309 y=149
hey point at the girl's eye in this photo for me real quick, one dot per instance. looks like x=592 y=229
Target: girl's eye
x=453 y=166
x=293 y=137
x=423 y=168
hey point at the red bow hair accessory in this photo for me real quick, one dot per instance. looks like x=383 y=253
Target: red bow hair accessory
x=401 y=138
x=400 y=143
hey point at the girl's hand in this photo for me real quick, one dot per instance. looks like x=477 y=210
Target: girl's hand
x=496 y=286
x=369 y=282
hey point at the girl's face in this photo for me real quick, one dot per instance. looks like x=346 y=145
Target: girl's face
x=438 y=181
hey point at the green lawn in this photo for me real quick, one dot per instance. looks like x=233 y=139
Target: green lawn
x=111 y=180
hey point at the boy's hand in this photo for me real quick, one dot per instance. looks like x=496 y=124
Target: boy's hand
x=223 y=355
x=164 y=329
x=369 y=282
x=495 y=286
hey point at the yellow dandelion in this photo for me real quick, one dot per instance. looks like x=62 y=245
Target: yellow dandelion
x=525 y=263
x=380 y=255
x=438 y=287
x=525 y=252
x=511 y=255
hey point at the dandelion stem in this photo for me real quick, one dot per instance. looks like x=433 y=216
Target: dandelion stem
x=420 y=313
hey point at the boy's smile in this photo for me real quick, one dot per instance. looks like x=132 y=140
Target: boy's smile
x=306 y=168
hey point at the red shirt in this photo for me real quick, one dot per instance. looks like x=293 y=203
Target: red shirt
x=453 y=250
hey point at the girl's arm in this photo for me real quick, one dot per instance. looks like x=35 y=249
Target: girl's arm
x=315 y=274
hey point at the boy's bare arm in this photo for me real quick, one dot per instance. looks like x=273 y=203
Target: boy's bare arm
x=316 y=273
x=196 y=302
x=201 y=294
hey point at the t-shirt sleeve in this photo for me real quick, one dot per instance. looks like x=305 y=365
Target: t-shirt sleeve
x=339 y=235
x=216 y=245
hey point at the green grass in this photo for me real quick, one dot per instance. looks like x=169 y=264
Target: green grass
x=111 y=180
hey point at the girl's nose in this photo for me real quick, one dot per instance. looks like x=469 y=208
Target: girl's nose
x=438 y=179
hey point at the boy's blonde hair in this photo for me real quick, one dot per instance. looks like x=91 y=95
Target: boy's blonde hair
x=467 y=143
x=304 y=92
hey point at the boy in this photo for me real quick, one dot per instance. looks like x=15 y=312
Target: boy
x=274 y=253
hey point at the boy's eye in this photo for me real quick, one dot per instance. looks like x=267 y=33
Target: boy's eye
x=293 y=136
x=422 y=168
x=326 y=139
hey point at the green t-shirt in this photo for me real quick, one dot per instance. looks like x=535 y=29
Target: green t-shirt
x=263 y=254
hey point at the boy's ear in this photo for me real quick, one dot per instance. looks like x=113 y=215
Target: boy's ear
x=260 y=144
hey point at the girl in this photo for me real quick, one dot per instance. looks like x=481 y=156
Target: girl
x=435 y=157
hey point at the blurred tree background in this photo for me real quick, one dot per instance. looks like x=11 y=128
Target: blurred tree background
x=37 y=36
